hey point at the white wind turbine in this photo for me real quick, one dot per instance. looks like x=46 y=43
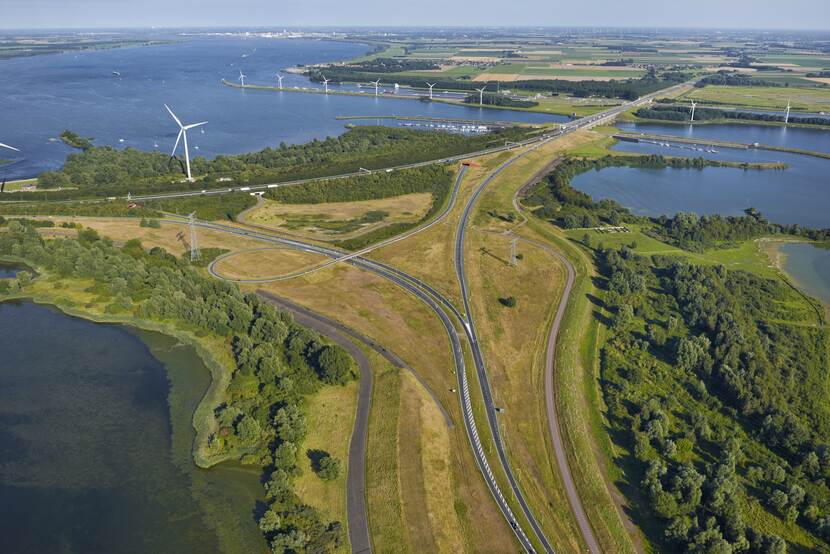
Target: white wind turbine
x=377 y=84
x=279 y=79
x=183 y=133
x=9 y=147
x=481 y=95
x=326 y=84
x=241 y=77
x=430 y=89
x=787 y=117
x=694 y=105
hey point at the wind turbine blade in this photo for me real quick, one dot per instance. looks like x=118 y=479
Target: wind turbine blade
x=188 y=127
x=178 y=138
x=9 y=147
x=174 y=115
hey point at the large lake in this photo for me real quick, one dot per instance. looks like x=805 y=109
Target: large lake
x=95 y=443
x=799 y=194
x=43 y=95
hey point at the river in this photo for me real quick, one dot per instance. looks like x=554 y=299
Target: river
x=43 y=95
x=95 y=443
x=798 y=194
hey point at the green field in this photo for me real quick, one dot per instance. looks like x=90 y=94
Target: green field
x=813 y=99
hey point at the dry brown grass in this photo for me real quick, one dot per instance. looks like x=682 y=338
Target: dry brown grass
x=435 y=463
x=253 y=264
x=330 y=419
x=123 y=229
x=285 y=217
x=384 y=312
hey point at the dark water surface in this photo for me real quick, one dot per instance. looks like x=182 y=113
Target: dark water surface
x=800 y=194
x=78 y=91
x=809 y=266
x=95 y=439
x=8 y=269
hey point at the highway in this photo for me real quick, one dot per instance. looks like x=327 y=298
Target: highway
x=434 y=300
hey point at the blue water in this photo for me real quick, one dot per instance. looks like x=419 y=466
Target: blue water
x=9 y=270
x=809 y=266
x=800 y=194
x=78 y=91
x=794 y=137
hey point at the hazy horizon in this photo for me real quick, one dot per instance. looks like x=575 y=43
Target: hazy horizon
x=800 y=15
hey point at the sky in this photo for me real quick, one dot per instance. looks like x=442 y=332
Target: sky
x=775 y=14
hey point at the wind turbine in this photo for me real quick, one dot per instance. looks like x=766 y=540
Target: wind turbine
x=481 y=95
x=376 y=83
x=241 y=77
x=183 y=133
x=787 y=117
x=430 y=89
x=279 y=78
x=9 y=147
x=694 y=105
x=326 y=84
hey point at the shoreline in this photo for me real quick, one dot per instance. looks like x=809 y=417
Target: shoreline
x=772 y=248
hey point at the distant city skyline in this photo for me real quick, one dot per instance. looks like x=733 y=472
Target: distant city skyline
x=731 y=14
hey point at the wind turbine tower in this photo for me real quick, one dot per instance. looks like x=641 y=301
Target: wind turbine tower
x=430 y=89
x=326 y=84
x=481 y=95
x=194 y=248
x=787 y=117
x=279 y=79
x=694 y=105
x=377 y=84
x=183 y=133
x=241 y=77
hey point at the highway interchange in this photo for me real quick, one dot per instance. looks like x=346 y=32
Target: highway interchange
x=435 y=301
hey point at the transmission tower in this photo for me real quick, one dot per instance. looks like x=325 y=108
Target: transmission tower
x=194 y=248
x=514 y=252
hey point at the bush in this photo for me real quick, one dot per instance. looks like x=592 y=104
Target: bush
x=509 y=301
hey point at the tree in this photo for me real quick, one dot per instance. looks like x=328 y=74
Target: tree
x=334 y=365
x=509 y=301
x=328 y=467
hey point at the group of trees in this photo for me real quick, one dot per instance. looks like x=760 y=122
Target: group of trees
x=107 y=171
x=277 y=362
x=628 y=89
x=715 y=381
x=727 y=78
x=682 y=113
x=393 y=65
x=698 y=233
x=493 y=99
